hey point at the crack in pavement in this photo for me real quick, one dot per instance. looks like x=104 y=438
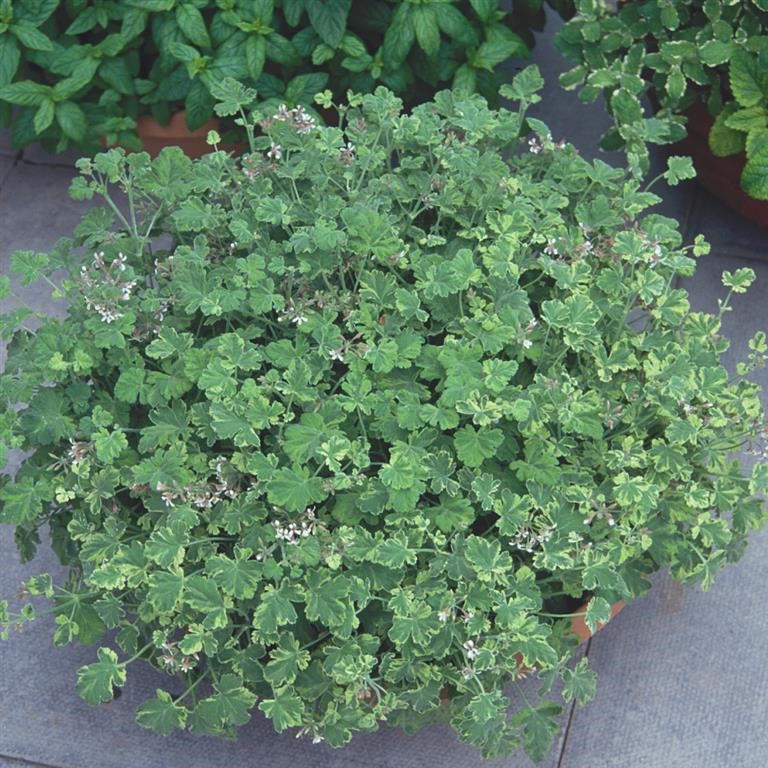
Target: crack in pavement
x=20 y=762
x=5 y=174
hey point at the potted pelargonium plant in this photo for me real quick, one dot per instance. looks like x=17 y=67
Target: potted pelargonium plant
x=704 y=66
x=81 y=72
x=346 y=429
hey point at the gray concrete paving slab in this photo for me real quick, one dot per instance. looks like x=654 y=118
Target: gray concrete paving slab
x=6 y=163
x=681 y=678
x=9 y=762
x=566 y=116
x=35 y=209
x=726 y=230
x=749 y=310
x=6 y=148
x=35 y=154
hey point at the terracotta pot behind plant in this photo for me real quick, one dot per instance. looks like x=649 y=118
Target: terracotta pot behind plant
x=156 y=137
x=720 y=175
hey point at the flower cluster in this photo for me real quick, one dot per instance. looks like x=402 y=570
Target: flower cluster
x=203 y=495
x=298 y=117
x=104 y=286
x=296 y=530
x=528 y=539
x=538 y=144
x=175 y=661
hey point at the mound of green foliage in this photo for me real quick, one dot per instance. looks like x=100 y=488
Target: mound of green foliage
x=79 y=71
x=350 y=425
x=684 y=51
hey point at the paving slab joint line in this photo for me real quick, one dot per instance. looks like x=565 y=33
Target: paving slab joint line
x=569 y=722
x=23 y=762
x=36 y=164
x=685 y=224
x=4 y=176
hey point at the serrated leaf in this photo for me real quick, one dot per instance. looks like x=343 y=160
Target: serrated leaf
x=161 y=714
x=192 y=24
x=294 y=489
x=71 y=120
x=165 y=590
x=474 y=446
x=580 y=682
x=754 y=177
x=274 y=610
x=9 y=59
x=598 y=613
x=285 y=661
x=203 y=595
x=285 y=709
x=329 y=19
x=96 y=682
x=724 y=141
x=745 y=79
x=238 y=577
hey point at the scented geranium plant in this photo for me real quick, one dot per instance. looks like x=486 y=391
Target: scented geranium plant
x=682 y=52
x=346 y=428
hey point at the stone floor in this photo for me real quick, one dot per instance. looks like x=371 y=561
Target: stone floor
x=682 y=675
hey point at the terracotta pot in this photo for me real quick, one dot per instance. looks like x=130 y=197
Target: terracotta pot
x=156 y=137
x=579 y=626
x=720 y=175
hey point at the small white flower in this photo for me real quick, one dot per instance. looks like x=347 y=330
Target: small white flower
x=275 y=152
x=188 y=663
x=347 y=153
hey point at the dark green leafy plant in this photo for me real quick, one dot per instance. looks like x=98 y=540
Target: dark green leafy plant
x=685 y=51
x=742 y=125
x=358 y=419
x=79 y=71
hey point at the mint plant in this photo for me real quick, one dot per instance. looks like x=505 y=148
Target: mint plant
x=742 y=125
x=81 y=71
x=681 y=52
x=344 y=429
